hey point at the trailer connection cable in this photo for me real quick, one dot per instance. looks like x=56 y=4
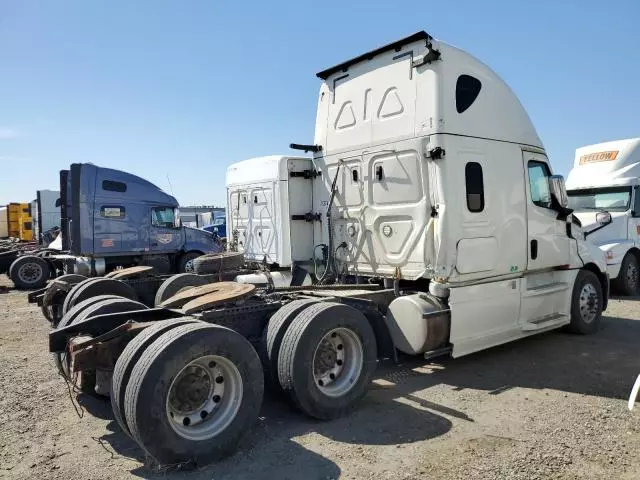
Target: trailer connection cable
x=330 y=267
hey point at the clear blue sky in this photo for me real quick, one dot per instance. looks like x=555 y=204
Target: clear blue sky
x=184 y=88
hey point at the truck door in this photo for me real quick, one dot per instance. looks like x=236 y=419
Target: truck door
x=544 y=290
x=548 y=243
x=165 y=235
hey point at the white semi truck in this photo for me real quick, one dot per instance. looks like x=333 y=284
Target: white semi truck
x=606 y=177
x=431 y=221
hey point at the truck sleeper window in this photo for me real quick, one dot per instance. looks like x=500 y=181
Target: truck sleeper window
x=112 y=186
x=163 y=217
x=475 y=186
x=539 y=183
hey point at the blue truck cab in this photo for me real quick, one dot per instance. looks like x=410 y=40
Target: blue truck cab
x=112 y=218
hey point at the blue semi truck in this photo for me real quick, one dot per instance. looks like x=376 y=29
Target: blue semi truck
x=111 y=219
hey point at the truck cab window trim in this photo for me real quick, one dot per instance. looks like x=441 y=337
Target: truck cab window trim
x=113 y=186
x=539 y=191
x=474 y=182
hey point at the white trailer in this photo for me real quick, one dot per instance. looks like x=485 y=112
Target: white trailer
x=606 y=177
x=47 y=211
x=431 y=221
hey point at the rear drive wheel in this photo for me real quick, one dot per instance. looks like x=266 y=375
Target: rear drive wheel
x=29 y=272
x=127 y=360
x=327 y=359
x=274 y=333
x=193 y=394
x=628 y=280
x=586 y=303
x=176 y=283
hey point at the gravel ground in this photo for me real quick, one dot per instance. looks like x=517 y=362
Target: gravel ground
x=551 y=406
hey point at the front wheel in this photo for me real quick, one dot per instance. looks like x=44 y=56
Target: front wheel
x=628 y=280
x=185 y=263
x=586 y=303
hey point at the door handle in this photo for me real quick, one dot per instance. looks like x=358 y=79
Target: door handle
x=534 y=249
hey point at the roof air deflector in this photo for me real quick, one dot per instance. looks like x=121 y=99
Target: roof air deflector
x=422 y=35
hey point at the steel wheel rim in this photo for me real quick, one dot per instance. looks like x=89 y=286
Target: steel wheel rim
x=632 y=275
x=337 y=362
x=588 y=303
x=30 y=273
x=204 y=397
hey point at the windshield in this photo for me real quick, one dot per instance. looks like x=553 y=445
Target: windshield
x=218 y=221
x=613 y=199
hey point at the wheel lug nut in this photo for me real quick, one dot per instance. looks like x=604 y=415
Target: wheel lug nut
x=339 y=362
x=186 y=421
x=332 y=376
x=212 y=364
x=334 y=335
x=320 y=382
x=340 y=346
x=219 y=379
x=216 y=398
x=203 y=414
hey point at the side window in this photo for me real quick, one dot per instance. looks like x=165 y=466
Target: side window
x=475 y=186
x=163 y=217
x=113 y=186
x=636 y=202
x=539 y=183
x=467 y=90
x=112 y=211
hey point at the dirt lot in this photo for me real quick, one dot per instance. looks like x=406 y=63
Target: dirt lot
x=552 y=406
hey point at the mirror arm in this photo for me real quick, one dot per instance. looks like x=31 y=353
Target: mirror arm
x=586 y=234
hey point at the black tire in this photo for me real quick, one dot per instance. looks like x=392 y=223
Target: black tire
x=110 y=305
x=628 y=280
x=99 y=286
x=77 y=309
x=586 y=320
x=186 y=262
x=87 y=381
x=174 y=284
x=53 y=300
x=68 y=299
x=218 y=262
x=152 y=377
x=274 y=333
x=297 y=354
x=127 y=360
x=29 y=272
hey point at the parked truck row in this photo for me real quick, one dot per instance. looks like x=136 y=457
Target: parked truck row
x=427 y=218
x=110 y=219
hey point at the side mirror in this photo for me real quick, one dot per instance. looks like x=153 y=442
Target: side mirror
x=559 y=190
x=603 y=218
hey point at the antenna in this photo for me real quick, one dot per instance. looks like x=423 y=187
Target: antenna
x=170 y=186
